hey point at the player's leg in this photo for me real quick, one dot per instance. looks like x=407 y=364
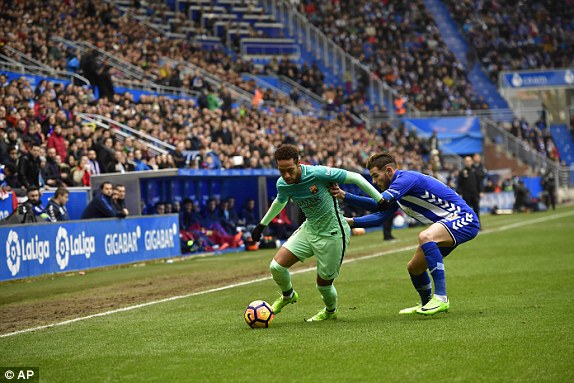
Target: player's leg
x=429 y=241
x=417 y=268
x=330 y=254
x=298 y=244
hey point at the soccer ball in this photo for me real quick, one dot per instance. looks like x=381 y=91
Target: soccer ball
x=259 y=314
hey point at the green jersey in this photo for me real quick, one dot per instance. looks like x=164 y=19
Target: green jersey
x=312 y=195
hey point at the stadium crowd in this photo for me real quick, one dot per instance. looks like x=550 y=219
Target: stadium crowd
x=399 y=42
x=512 y=35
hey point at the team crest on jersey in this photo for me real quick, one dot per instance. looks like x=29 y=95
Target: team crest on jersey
x=314 y=189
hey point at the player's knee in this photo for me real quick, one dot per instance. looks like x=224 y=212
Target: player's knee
x=424 y=237
x=275 y=267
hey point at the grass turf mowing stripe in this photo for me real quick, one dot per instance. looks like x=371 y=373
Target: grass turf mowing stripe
x=177 y=297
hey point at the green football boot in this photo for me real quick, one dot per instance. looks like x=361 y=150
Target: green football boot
x=322 y=315
x=281 y=302
x=410 y=310
x=434 y=306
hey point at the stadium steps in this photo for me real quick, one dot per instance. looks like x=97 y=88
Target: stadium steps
x=496 y=158
x=564 y=142
x=459 y=47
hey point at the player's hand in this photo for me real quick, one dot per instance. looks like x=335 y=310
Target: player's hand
x=383 y=205
x=256 y=232
x=336 y=191
x=350 y=221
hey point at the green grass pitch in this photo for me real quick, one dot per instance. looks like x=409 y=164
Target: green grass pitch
x=511 y=318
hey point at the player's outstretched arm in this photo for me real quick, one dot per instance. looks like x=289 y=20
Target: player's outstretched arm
x=360 y=181
x=273 y=211
x=372 y=220
x=366 y=203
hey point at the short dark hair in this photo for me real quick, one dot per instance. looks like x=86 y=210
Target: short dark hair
x=287 y=152
x=32 y=188
x=61 y=191
x=380 y=160
x=104 y=183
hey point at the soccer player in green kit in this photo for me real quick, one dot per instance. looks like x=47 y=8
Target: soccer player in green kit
x=324 y=234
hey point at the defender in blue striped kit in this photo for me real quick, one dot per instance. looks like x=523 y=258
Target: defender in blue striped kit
x=452 y=222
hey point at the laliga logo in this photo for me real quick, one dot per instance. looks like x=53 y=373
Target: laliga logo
x=13 y=252
x=67 y=245
x=569 y=77
x=62 y=248
x=516 y=80
x=28 y=249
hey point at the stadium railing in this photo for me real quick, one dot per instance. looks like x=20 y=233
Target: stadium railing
x=48 y=74
x=330 y=54
x=121 y=131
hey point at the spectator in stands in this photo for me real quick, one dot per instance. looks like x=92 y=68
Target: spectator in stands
x=29 y=166
x=80 y=173
x=101 y=206
x=51 y=172
x=106 y=154
x=178 y=156
x=3 y=144
x=56 y=207
x=11 y=180
x=93 y=163
x=139 y=161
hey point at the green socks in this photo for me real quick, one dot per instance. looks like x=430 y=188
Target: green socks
x=281 y=276
x=329 y=295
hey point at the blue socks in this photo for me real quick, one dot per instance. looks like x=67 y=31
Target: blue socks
x=423 y=286
x=436 y=267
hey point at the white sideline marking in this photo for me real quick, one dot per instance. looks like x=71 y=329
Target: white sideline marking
x=134 y=307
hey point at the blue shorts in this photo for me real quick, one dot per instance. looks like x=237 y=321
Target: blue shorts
x=462 y=228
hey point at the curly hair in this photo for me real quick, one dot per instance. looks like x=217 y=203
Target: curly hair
x=286 y=152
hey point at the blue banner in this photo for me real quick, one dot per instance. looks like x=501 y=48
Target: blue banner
x=38 y=249
x=502 y=200
x=547 y=78
x=77 y=202
x=459 y=135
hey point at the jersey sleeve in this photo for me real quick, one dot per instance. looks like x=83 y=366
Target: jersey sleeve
x=375 y=219
x=400 y=186
x=273 y=211
x=360 y=181
x=281 y=197
x=329 y=174
x=366 y=203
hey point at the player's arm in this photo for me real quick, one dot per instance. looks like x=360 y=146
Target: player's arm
x=375 y=219
x=360 y=181
x=366 y=203
x=273 y=211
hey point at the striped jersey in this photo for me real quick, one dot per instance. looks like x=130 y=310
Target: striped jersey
x=423 y=197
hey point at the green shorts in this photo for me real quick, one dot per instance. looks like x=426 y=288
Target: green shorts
x=329 y=250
